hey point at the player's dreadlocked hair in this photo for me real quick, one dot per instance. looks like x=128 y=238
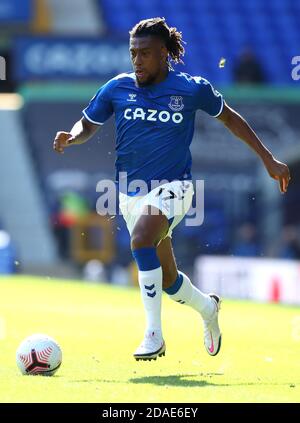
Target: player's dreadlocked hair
x=158 y=27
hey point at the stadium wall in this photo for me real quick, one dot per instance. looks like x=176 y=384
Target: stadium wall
x=264 y=280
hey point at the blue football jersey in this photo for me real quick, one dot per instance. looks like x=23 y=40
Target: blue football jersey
x=154 y=124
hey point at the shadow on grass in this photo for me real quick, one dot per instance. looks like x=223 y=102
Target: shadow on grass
x=186 y=380
x=172 y=380
x=178 y=380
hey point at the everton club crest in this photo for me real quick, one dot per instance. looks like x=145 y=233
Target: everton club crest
x=176 y=103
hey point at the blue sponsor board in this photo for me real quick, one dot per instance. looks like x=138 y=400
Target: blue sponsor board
x=16 y=11
x=37 y=58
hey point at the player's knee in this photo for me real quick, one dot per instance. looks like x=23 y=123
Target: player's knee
x=141 y=240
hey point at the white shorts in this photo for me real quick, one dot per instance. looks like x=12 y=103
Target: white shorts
x=173 y=198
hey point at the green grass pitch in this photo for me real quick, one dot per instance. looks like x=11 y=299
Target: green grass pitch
x=100 y=326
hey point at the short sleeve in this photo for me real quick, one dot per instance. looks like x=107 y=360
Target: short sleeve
x=207 y=98
x=100 y=107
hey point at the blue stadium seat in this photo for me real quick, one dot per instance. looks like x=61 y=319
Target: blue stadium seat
x=224 y=27
x=281 y=5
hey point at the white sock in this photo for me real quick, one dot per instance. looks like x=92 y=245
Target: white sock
x=190 y=295
x=150 y=282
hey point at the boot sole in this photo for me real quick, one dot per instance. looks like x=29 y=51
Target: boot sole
x=151 y=356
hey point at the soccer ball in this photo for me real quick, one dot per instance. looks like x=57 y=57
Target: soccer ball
x=38 y=355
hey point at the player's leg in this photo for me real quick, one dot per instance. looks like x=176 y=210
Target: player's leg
x=149 y=229
x=180 y=289
x=178 y=285
x=168 y=263
x=167 y=203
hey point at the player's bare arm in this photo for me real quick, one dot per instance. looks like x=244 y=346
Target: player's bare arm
x=81 y=132
x=240 y=127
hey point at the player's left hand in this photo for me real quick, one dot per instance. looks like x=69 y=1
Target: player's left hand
x=279 y=171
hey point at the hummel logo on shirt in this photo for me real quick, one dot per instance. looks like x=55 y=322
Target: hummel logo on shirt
x=132 y=97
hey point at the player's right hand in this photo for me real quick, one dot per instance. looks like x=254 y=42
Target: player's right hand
x=279 y=171
x=61 y=141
